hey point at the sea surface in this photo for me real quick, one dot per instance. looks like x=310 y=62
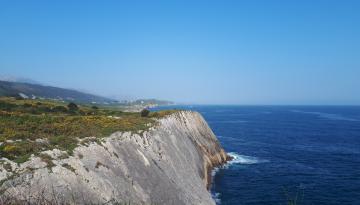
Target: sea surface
x=310 y=154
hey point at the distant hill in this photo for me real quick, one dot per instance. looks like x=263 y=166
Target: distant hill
x=29 y=90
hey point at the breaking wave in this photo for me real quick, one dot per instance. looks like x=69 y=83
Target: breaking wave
x=216 y=197
x=243 y=159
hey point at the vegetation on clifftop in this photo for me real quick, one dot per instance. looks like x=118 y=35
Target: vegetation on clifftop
x=31 y=126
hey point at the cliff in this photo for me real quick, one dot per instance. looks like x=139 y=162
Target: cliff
x=168 y=164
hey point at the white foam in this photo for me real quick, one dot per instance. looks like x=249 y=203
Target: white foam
x=243 y=159
x=216 y=197
x=214 y=171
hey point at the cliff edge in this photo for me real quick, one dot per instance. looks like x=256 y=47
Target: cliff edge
x=168 y=164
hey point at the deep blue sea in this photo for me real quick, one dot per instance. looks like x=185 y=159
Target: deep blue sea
x=308 y=153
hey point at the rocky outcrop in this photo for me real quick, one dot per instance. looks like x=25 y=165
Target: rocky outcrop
x=168 y=164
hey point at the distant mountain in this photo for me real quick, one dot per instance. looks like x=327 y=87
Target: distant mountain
x=29 y=90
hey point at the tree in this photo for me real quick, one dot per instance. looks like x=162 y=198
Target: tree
x=144 y=113
x=94 y=107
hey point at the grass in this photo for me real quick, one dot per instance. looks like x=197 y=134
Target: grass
x=69 y=167
x=162 y=113
x=31 y=126
x=47 y=159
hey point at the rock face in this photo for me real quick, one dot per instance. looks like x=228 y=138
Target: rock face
x=169 y=164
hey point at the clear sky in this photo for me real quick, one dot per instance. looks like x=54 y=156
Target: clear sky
x=213 y=52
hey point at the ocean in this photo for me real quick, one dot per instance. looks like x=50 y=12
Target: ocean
x=303 y=154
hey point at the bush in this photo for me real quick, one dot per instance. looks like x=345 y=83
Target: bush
x=26 y=105
x=144 y=113
x=18 y=150
x=47 y=159
x=60 y=109
x=7 y=106
x=62 y=142
x=72 y=106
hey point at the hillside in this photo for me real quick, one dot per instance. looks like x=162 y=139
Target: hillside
x=28 y=90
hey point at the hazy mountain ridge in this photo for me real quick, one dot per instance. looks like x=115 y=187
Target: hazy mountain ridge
x=34 y=90
x=29 y=90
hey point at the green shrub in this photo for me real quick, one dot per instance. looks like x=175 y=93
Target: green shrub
x=144 y=113
x=69 y=167
x=72 y=106
x=26 y=105
x=60 y=108
x=64 y=143
x=19 y=150
x=47 y=159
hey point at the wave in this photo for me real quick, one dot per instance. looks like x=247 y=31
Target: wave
x=216 y=197
x=214 y=171
x=243 y=159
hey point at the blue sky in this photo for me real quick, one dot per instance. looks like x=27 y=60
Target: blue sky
x=212 y=52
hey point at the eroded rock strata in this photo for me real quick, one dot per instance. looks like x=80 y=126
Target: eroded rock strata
x=168 y=164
